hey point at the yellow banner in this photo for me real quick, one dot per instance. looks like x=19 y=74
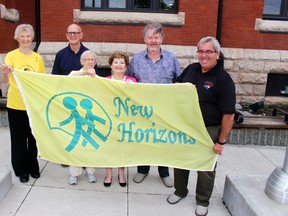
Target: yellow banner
x=98 y=122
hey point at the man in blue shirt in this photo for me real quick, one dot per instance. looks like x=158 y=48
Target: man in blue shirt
x=68 y=59
x=154 y=65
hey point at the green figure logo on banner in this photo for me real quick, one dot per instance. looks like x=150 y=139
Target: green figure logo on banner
x=84 y=119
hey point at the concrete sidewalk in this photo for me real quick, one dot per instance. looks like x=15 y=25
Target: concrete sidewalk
x=51 y=195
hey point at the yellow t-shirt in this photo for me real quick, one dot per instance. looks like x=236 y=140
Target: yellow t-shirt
x=18 y=60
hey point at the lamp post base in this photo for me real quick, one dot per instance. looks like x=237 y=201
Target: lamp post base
x=277 y=186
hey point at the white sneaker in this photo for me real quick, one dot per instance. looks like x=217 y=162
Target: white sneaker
x=91 y=178
x=72 y=180
x=201 y=210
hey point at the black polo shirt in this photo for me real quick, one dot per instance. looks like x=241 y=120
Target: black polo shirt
x=216 y=92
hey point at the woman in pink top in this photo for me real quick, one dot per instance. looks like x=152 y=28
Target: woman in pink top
x=118 y=61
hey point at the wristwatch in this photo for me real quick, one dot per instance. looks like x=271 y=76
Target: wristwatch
x=221 y=143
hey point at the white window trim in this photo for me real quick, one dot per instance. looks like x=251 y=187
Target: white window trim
x=271 y=26
x=127 y=17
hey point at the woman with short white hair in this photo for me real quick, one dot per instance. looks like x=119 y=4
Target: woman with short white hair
x=23 y=144
x=88 y=61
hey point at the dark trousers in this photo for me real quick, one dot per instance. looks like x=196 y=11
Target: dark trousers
x=163 y=171
x=205 y=180
x=23 y=144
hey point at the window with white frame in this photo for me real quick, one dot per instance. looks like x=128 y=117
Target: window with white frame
x=275 y=9
x=149 y=6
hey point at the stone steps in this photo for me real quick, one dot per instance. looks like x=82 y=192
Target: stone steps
x=244 y=195
x=5 y=181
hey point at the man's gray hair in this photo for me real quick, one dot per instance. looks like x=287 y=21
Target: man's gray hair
x=158 y=28
x=214 y=41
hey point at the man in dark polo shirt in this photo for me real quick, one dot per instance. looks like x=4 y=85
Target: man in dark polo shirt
x=217 y=99
x=68 y=59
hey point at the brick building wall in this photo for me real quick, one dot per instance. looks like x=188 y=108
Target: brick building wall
x=26 y=9
x=237 y=29
x=60 y=18
x=7 y=31
x=238 y=25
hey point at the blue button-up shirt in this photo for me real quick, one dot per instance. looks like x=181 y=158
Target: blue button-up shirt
x=164 y=70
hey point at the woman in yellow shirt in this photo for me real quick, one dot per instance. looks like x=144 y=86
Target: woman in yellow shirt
x=23 y=144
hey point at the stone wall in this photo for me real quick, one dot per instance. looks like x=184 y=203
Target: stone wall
x=248 y=67
x=3 y=118
x=3 y=87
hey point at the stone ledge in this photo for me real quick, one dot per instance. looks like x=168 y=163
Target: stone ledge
x=4 y=118
x=271 y=26
x=245 y=195
x=3 y=113
x=109 y=17
x=5 y=182
x=3 y=102
x=2 y=58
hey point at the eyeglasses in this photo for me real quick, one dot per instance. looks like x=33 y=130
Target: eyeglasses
x=207 y=52
x=73 y=33
x=89 y=59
